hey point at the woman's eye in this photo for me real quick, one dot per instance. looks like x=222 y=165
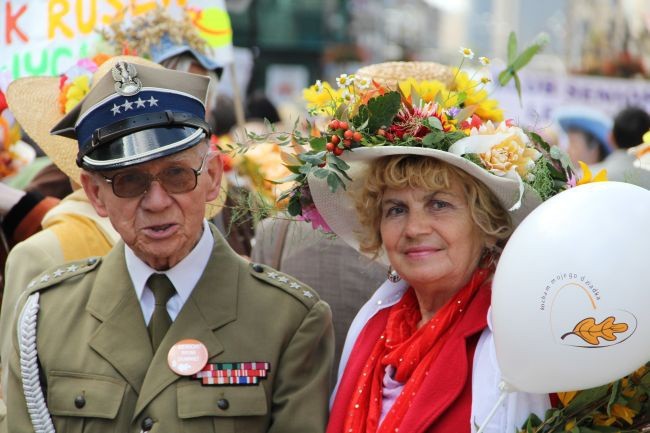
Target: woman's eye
x=438 y=204
x=395 y=210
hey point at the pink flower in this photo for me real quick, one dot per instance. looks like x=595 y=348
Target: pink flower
x=311 y=215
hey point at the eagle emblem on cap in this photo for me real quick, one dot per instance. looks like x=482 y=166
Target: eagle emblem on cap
x=126 y=79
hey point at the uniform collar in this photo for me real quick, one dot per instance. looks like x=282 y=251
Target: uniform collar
x=183 y=276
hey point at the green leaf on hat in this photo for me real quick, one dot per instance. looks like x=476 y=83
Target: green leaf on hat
x=382 y=109
x=318 y=143
x=334 y=182
x=512 y=47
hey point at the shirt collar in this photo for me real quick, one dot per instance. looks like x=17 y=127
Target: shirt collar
x=183 y=276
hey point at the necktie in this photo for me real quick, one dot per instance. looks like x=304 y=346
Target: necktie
x=162 y=289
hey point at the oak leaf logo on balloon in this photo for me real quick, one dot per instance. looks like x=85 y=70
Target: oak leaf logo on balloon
x=590 y=331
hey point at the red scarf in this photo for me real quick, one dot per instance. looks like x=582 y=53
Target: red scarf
x=410 y=350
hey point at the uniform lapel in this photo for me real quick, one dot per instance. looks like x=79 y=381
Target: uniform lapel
x=212 y=304
x=122 y=337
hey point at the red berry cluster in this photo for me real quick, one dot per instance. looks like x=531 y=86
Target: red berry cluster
x=342 y=137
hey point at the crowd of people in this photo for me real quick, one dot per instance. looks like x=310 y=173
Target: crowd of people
x=153 y=284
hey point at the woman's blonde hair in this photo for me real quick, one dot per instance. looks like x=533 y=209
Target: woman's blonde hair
x=411 y=171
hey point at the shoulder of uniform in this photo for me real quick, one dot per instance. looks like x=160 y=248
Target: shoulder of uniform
x=287 y=283
x=57 y=274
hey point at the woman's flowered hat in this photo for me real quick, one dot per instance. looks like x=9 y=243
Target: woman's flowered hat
x=454 y=121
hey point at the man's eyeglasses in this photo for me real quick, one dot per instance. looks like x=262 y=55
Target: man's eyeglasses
x=175 y=179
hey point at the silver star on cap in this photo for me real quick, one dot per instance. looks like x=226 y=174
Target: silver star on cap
x=307 y=294
x=139 y=103
x=72 y=268
x=283 y=280
x=273 y=275
x=31 y=284
x=45 y=278
x=58 y=272
x=294 y=285
x=153 y=102
x=128 y=105
x=116 y=109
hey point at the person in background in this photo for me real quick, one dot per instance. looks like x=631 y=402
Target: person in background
x=342 y=277
x=107 y=335
x=629 y=126
x=587 y=132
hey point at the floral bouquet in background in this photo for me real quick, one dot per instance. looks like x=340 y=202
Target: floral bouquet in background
x=436 y=109
x=619 y=407
x=14 y=153
x=75 y=83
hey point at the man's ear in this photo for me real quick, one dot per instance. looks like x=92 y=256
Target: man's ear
x=214 y=171
x=92 y=187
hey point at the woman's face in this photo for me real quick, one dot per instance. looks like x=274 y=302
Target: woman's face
x=430 y=237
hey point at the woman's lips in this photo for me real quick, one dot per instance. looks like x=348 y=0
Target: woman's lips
x=418 y=252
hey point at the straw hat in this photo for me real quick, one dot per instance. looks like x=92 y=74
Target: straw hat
x=390 y=73
x=33 y=101
x=504 y=158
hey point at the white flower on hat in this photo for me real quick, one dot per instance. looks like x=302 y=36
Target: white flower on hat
x=466 y=52
x=502 y=150
x=319 y=86
x=362 y=83
x=484 y=61
x=345 y=80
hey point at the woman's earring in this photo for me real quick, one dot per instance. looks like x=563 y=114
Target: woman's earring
x=393 y=276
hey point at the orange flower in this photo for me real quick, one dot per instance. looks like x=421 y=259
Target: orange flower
x=623 y=412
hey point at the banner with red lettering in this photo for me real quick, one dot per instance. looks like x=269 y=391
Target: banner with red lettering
x=46 y=37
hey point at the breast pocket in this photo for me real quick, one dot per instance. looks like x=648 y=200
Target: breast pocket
x=84 y=403
x=222 y=409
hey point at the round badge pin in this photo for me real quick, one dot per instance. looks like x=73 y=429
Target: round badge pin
x=187 y=357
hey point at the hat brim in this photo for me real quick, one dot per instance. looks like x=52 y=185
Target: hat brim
x=174 y=50
x=33 y=102
x=339 y=211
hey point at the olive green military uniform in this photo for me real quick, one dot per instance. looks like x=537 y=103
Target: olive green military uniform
x=99 y=375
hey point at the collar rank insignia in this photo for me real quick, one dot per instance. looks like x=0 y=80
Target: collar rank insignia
x=126 y=79
x=233 y=373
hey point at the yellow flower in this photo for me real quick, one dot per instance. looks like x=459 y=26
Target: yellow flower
x=569 y=426
x=427 y=90
x=262 y=162
x=566 y=397
x=513 y=152
x=623 y=412
x=587 y=177
x=601 y=419
x=321 y=97
x=476 y=95
x=79 y=87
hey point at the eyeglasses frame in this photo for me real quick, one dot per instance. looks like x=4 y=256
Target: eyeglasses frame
x=197 y=173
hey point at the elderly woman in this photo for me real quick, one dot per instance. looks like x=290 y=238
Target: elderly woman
x=437 y=204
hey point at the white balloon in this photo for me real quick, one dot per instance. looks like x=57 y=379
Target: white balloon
x=571 y=292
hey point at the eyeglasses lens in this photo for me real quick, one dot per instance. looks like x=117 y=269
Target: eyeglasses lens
x=175 y=180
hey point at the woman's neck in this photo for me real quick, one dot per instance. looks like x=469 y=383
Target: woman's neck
x=430 y=301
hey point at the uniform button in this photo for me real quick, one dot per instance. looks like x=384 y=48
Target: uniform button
x=79 y=401
x=223 y=404
x=147 y=424
x=257 y=267
x=92 y=261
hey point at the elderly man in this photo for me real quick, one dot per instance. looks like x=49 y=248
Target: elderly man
x=171 y=331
